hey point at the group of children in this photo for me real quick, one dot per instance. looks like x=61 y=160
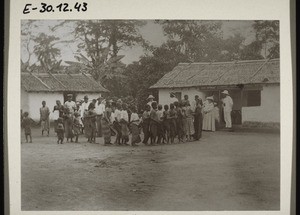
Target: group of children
x=176 y=120
x=159 y=124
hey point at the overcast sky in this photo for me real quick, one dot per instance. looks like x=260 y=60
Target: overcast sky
x=151 y=32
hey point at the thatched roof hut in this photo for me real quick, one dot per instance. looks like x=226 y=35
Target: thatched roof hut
x=38 y=87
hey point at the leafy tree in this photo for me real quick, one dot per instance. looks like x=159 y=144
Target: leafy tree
x=267 y=34
x=27 y=39
x=198 y=40
x=27 y=42
x=45 y=51
x=252 y=51
x=232 y=48
x=149 y=69
x=99 y=42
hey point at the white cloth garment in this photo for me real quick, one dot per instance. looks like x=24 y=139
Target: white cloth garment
x=227 y=118
x=84 y=107
x=150 y=104
x=193 y=105
x=118 y=115
x=227 y=107
x=112 y=117
x=71 y=106
x=124 y=115
x=134 y=118
x=55 y=114
x=227 y=103
x=173 y=99
x=99 y=108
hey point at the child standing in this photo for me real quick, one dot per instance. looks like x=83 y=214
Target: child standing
x=116 y=123
x=76 y=126
x=160 y=127
x=68 y=124
x=134 y=126
x=184 y=121
x=179 y=121
x=190 y=130
x=154 y=121
x=166 y=123
x=90 y=123
x=44 y=118
x=172 y=122
x=124 y=125
x=146 y=124
x=60 y=131
x=26 y=124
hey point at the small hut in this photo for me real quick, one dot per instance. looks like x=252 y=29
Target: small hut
x=38 y=87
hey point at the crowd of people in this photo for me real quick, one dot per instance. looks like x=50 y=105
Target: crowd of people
x=181 y=120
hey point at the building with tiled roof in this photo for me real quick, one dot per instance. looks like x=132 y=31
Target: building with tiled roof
x=38 y=87
x=254 y=86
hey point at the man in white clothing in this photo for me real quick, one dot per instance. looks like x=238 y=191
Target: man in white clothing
x=227 y=107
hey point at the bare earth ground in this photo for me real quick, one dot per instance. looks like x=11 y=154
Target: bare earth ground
x=222 y=171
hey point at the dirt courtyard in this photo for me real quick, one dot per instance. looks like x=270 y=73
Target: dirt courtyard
x=222 y=171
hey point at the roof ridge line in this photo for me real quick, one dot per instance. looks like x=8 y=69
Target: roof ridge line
x=40 y=81
x=223 y=62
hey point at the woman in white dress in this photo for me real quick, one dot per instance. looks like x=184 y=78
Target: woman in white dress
x=208 y=115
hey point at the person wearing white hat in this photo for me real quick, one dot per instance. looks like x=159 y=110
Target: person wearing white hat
x=227 y=108
x=173 y=98
x=150 y=100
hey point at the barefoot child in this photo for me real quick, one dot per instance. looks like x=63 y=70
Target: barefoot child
x=146 y=124
x=26 y=124
x=44 y=118
x=166 y=123
x=154 y=121
x=60 y=131
x=190 y=130
x=172 y=120
x=134 y=127
x=90 y=127
x=124 y=125
x=76 y=126
x=160 y=128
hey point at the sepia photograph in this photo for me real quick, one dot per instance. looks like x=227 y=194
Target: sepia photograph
x=150 y=115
